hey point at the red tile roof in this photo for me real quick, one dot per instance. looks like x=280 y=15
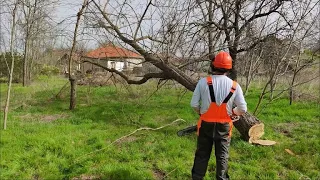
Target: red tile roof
x=112 y=51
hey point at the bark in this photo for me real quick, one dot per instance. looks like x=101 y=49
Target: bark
x=210 y=34
x=72 y=93
x=25 y=62
x=244 y=124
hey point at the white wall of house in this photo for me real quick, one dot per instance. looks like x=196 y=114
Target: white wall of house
x=134 y=63
x=120 y=65
x=112 y=63
x=116 y=65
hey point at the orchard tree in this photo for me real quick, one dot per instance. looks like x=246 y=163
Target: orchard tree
x=193 y=31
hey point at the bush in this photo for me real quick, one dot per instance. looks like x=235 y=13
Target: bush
x=5 y=61
x=49 y=70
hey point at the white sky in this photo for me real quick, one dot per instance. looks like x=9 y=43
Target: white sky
x=65 y=12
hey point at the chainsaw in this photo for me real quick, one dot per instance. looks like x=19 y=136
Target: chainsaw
x=192 y=129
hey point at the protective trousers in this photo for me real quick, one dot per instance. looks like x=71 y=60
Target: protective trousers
x=214 y=128
x=210 y=134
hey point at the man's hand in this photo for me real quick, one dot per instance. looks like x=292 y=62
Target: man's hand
x=234 y=117
x=197 y=110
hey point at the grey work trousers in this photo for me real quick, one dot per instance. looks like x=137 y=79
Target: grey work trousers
x=210 y=134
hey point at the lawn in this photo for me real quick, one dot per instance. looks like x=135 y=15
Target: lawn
x=45 y=140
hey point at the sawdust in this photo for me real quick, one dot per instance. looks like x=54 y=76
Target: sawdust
x=290 y=152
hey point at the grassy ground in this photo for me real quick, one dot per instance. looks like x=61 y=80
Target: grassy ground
x=45 y=140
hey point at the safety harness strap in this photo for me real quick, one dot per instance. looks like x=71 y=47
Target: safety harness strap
x=233 y=88
x=209 y=82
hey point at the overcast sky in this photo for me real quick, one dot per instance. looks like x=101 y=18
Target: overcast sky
x=64 y=15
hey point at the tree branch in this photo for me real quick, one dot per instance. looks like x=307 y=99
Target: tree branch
x=255 y=43
x=141 y=19
x=144 y=79
x=148 y=37
x=273 y=9
x=192 y=62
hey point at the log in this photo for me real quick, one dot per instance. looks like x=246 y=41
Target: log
x=244 y=124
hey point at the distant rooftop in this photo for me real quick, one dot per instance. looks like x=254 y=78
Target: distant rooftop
x=112 y=51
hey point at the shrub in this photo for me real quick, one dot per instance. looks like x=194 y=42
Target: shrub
x=49 y=70
x=5 y=61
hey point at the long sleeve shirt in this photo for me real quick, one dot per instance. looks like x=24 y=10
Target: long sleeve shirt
x=221 y=87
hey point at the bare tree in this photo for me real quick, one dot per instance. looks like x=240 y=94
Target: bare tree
x=12 y=38
x=191 y=29
x=280 y=51
x=300 y=63
x=35 y=24
x=72 y=79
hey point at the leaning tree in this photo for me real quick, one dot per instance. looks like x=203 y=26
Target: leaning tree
x=179 y=36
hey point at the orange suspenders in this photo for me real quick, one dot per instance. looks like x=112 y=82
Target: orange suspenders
x=217 y=113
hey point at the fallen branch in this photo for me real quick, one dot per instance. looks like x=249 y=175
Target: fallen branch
x=135 y=131
x=169 y=173
x=146 y=128
x=58 y=95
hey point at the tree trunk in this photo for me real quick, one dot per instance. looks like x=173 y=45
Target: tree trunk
x=25 y=62
x=245 y=123
x=6 y=108
x=72 y=78
x=72 y=93
x=233 y=73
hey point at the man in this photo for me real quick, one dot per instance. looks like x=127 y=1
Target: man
x=213 y=100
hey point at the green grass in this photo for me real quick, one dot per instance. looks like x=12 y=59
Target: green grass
x=45 y=140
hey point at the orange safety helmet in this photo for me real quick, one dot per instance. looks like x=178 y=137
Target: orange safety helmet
x=222 y=60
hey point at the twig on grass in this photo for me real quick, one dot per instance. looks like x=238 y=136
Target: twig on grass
x=61 y=90
x=302 y=176
x=169 y=173
x=133 y=132
x=146 y=128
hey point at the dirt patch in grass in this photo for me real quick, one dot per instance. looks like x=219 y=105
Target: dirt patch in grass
x=41 y=118
x=285 y=128
x=158 y=174
x=86 y=177
x=50 y=118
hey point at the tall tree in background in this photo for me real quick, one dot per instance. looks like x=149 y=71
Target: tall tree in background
x=72 y=77
x=35 y=24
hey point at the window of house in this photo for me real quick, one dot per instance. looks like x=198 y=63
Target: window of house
x=113 y=65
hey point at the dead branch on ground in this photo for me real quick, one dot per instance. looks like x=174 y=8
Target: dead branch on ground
x=130 y=134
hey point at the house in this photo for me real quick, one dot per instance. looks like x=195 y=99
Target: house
x=112 y=56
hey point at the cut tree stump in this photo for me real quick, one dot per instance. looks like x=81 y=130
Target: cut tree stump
x=244 y=124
